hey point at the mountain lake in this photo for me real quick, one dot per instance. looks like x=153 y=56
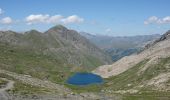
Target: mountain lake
x=83 y=79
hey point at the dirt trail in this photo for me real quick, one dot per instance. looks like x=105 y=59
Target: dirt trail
x=63 y=93
x=3 y=94
x=37 y=82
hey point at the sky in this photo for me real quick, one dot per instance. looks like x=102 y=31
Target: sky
x=104 y=17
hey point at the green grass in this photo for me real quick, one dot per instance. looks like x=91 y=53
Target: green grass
x=88 y=88
x=45 y=67
x=90 y=60
x=51 y=67
x=55 y=69
x=131 y=76
x=121 y=81
x=2 y=83
x=23 y=89
x=148 y=95
x=37 y=65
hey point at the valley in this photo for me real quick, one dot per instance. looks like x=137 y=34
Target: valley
x=84 y=50
x=39 y=70
x=120 y=46
x=33 y=51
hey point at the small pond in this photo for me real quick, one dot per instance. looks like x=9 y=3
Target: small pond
x=82 y=79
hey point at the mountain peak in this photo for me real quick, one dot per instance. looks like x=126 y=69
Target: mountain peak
x=57 y=29
x=32 y=31
x=165 y=36
x=60 y=27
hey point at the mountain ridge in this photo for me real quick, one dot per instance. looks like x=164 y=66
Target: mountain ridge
x=57 y=53
x=144 y=74
x=120 y=46
x=160 y=48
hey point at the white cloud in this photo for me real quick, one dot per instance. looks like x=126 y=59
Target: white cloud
x=108 y=30
x=156 y=20
x=33 y=19
x=1 y=11
x=47 y=19
x=151 y=20
x=55 y=19
x=73 y=19
x=6 y=20
x=166 y=19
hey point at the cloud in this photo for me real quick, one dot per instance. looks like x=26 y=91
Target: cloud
x=151 y=20
x=1 y=11
x=33 y=19
x=73 y=19
x=47 y=19
x=108 y=30
x=55 y=19
x=6 y=20
x=156 y=20
x=166 y=19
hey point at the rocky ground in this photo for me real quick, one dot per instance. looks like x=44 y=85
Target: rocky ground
x=61 y=92
x=3 y=94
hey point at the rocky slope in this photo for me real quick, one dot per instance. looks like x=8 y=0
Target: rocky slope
x=144 y=76
x=25 y=87
x=73 y=40
x=159 y=49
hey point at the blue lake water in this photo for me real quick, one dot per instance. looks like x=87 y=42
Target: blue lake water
x=84 y=79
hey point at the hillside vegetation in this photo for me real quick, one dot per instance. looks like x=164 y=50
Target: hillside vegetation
x=143 y=76
x=52 y=55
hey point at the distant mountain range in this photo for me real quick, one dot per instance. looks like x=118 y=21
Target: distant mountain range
x=118 y=47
